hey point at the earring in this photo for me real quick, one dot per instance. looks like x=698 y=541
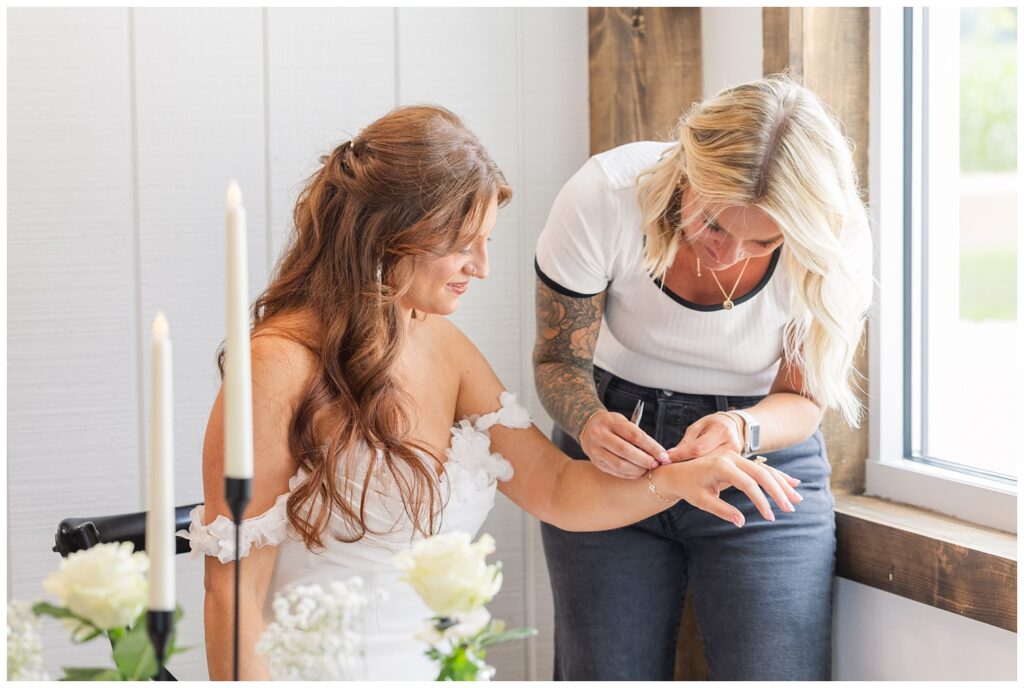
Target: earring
x=698 y=267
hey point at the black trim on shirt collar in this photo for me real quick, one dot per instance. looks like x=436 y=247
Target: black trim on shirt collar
x=718 y=307
x=558 y=287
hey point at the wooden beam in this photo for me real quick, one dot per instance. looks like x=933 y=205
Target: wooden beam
x=836 y=48
x=645 y=71
x=929 y=558
x=775 y=38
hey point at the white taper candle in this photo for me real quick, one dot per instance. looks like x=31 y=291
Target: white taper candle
x=237 y=368
x=160 y=526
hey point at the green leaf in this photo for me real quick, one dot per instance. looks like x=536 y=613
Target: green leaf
x=489 y=639
x=458 y=666
x=90 y=674
x=94 y=633
x=134 y=654
x=47 y=609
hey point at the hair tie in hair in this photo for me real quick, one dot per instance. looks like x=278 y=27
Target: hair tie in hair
x=342 y=162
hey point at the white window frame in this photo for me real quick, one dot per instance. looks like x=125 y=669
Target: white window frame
x=889 y=474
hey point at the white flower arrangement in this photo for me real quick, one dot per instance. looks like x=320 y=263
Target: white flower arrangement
x=451 y=575
x=314 y=636
x=24 y=647
x=103 y=591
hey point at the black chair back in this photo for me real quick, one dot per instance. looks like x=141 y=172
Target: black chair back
x=75 y=534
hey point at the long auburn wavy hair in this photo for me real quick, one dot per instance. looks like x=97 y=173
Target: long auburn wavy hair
x=412 y=185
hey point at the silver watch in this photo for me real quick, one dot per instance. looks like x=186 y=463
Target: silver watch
x=752 y=436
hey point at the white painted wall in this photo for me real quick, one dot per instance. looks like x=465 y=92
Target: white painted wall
x=124 y=127
x=732 y=49
x=880 y=636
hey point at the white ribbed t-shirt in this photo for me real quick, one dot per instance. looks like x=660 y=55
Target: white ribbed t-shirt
x=593 y=241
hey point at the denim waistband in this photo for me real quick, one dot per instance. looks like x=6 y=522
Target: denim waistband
x=720 y=402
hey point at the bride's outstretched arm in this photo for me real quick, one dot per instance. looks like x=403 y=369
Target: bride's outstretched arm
x=575 y=495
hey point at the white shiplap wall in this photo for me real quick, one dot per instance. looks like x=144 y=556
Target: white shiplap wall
x=124 y=127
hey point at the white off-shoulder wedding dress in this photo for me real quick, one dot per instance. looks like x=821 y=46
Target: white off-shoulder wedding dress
x=467 y=484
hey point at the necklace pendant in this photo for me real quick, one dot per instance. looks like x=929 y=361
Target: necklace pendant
x=727 y=304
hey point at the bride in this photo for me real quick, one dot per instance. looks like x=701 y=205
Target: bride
x=377 y=422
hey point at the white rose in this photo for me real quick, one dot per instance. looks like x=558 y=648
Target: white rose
x=450 y=573
x=105 y=584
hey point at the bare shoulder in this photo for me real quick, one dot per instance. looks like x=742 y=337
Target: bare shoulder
x=282 y=360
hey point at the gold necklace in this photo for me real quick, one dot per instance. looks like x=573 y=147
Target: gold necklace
x=727 y=304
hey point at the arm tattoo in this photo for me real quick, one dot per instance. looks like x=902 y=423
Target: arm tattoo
x=563 y=356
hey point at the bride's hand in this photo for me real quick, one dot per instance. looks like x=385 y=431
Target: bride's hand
x=700 y=481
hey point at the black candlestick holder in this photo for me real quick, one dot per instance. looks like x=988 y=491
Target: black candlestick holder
x=160 y=625
x=237 y=492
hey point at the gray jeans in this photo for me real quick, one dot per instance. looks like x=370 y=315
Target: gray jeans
x=762 y=593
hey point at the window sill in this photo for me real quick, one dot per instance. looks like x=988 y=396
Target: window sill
x=964 y=497
x=937 y=560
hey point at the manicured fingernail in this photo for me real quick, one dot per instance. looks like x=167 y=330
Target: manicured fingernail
x=664 y=457
x=655 y=465
x=738 y=520
x=797 y=498
x=770 y=516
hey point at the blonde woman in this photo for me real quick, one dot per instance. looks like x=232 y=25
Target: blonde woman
x=722 y=280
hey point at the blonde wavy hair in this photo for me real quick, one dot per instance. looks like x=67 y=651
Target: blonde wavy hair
x=772 y=144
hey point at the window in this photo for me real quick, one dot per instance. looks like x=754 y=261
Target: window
x=944 y=192
x=961 y=271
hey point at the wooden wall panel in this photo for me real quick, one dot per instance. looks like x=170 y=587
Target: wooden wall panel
x=781 y=27
x=644 y=72
x=73 y=436
x=200 y=108
x=835 y=66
